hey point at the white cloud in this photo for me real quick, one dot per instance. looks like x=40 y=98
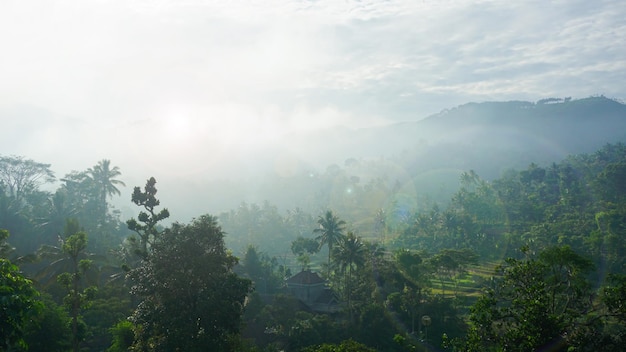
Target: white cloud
x=281 y=65
x=188 y=90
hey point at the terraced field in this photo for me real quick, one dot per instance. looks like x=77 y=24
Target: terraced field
x=468 y=287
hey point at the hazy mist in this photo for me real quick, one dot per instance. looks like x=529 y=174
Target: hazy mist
x=192 y=92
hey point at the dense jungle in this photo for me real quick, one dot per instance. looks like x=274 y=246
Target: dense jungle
x=533 y=259
x=312 y=176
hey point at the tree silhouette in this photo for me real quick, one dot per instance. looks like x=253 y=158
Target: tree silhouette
x=69 y=266
x=20 y=176
x=64 y=256
x=147 y=231
x=330 y=230
x=17 y=303
x=349 y=253
x=191 y=298
x=103 y=176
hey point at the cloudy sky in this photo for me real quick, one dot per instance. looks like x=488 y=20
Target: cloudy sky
x=126 y=79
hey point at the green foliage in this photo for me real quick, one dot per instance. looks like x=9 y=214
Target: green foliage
x=281 y=314
x=614 y=296
x=450 y=263
x=146 y=227
x=21 y=201
x=5 y=248
x=21 y=176
x=49 y=331
x=310 y=330
x=344 y=346
x=75 y=244
x=516 y=318
x=330 y=229
x=349 y=254
x=252 y=264
x=569 y=216
x=103 y=176
x=83 y=195
x=303 y=245
x=123 y=336
x=536 y=303
x=190 y=296
x=18 y=302
x=73 y=248
x=110 y=305
x=375 y=327
x=266 y=274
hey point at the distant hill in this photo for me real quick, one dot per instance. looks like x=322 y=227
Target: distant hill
x=488 y=137
x=431 y=153
x=426 y=157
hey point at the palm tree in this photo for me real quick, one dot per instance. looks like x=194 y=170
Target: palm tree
x=350 y=253
x=103 y=177
x=65 y=256
x=330 y=230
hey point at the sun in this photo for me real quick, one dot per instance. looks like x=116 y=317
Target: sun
x=177 y=128
x=241 y=127
x=235 y=129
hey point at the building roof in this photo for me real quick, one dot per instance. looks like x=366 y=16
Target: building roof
x=305 y=277
x=327 y=297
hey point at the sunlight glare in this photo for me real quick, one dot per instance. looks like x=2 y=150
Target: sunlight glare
x=177 y=128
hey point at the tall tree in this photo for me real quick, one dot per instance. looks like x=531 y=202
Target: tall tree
x=191 y=297
x=74 y=247
x=302 y=248
x=21 y=176
x=104 y=178
x=538 y=302
x=65 y=256
x=84 y=192
x=149 y=218
x=350 y=253
x=330 y=232
x=17 y=299
x=514 y=316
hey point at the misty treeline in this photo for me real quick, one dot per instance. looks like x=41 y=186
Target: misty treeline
x=533 y=259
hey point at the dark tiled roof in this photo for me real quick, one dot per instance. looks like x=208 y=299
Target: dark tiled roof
x=305 y=277
x=327 y=297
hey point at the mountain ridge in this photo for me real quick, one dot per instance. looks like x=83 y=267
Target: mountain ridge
x=576 y=126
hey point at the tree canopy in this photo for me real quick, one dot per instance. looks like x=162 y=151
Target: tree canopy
x=191 y=299
x=330 y=231
x=18 y=302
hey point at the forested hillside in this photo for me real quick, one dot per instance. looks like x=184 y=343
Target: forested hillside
x=488 y=137
x=423 y=157
x=312 y=176
x=482 y=217
x=533 y=258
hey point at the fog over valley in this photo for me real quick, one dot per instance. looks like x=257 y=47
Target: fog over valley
x=192 y=92
x=312 y=176
x=198 y=174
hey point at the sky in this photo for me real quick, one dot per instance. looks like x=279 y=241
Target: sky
x=168 y=83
